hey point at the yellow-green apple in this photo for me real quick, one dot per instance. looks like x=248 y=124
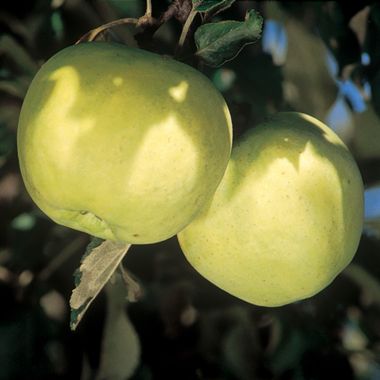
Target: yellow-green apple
x=122 y=143
x=286 y=218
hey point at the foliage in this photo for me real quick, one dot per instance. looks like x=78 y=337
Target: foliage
x=182 y=327
x=97 y=266
x=222 y=41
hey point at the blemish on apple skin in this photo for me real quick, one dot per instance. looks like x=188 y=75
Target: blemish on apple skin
x=135 y=235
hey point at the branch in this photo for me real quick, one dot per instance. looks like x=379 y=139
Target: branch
x=92 y=34
x=148 y=11
x=186 y=28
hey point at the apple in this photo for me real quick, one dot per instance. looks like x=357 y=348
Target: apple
x=122 y=143
x=286 y=218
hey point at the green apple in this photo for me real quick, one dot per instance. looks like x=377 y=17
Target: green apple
x=122 y=143
x=286 y=218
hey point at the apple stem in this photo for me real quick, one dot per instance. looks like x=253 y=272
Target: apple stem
x=186 y=27
x=148 y=11
x=93 y=33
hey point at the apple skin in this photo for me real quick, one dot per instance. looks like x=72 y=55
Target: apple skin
x=122 y=143
x=286 y=218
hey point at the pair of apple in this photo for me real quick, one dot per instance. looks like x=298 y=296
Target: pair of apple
x=128 y=145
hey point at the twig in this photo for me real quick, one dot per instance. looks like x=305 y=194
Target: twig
x=92 y=34
x=150 y=25
x=185 y=29
x=169 y=13
x=148 y=11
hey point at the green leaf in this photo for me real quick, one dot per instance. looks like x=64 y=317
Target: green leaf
x=98 y=264
x=222 y=41
x=203 y=6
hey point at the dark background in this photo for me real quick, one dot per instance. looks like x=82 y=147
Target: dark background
x=321 y=58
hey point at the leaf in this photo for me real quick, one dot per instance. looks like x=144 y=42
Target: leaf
x=120 y=352
x=97 y=266
x=204 y=6
x=222 y=41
